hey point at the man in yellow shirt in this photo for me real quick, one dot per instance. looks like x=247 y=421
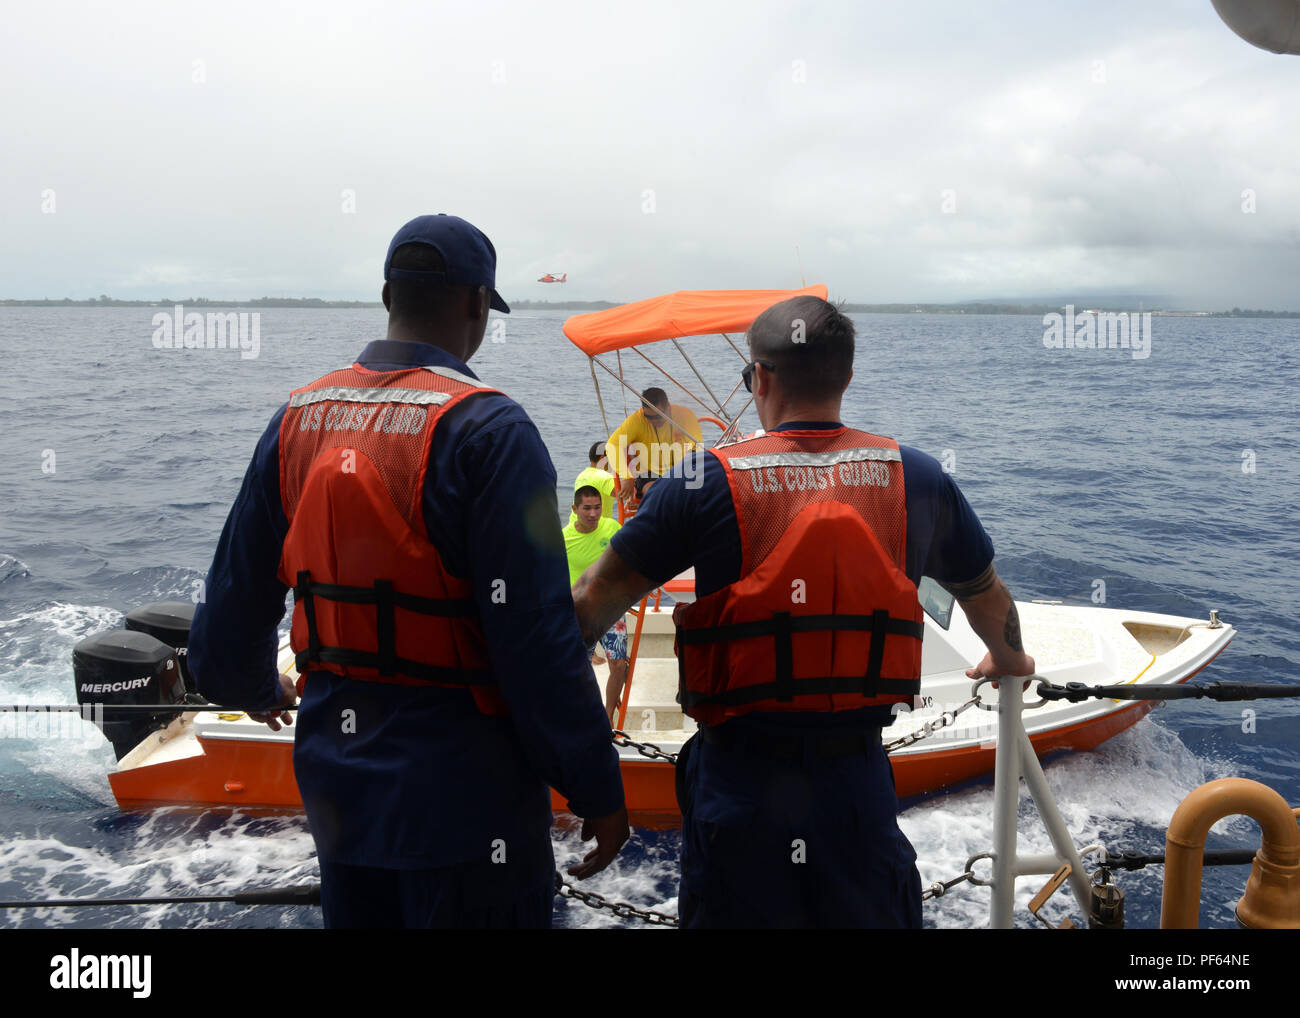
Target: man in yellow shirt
x=652 y=440
x=584 y=540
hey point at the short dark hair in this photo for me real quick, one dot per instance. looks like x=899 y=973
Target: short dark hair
x=810 y=342
x=418 y=300
x=586 y=491
x=596 y=451
x=656 y=397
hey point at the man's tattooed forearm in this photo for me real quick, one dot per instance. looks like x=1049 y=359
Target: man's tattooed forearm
x=972 y=588
x=1011 y=631
x=986 y=582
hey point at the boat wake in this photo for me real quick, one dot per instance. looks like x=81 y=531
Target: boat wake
x=169 y=852
x=1122 y=794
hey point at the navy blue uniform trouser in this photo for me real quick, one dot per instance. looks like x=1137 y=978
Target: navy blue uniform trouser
x=813 y=843
x=477 y=895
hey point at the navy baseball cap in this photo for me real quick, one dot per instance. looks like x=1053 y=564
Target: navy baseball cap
x=470 y=257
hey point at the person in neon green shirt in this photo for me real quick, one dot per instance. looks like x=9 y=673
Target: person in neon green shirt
x=584 y=540
x=652 y=440
x=599 y=478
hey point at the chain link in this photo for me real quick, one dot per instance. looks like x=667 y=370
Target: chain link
x=619 y=908
x=652 y=752
x=646 y=749
x=947 y=718
x=649 y=750
x=623 y=910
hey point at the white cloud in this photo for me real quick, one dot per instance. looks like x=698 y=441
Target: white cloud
x=1103 y=147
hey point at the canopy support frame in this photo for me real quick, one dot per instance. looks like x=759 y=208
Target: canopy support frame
x=645 y=402
x=722 y=407
x=664 y=372
x=604 y=418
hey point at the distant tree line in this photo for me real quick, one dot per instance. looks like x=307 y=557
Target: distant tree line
x=103 y=300
x=976 y=308
x=972 y=308
x=562 y=305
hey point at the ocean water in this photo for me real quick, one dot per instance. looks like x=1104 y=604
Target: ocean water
x=1174 y=478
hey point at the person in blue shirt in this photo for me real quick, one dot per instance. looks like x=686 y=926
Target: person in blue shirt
x=789 y=818
x=425 y=810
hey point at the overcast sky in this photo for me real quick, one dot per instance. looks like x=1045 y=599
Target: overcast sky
x=1082 y=146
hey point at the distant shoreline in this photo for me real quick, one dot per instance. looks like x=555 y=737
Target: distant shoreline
x=968 y=308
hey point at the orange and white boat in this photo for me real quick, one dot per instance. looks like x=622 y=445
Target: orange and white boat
x=206 y=758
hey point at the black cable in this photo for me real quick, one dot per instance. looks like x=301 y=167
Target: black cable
x=302 y=894
x=1220 y=857
x=1076 y=692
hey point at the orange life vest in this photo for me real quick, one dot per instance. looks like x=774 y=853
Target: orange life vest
x=372 y=599
x=823 y=617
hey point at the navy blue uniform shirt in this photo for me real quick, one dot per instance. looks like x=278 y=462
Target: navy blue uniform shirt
x=422 y=779
x=682 y=524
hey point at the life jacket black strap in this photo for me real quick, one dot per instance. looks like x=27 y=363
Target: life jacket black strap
x=415 y=669
x=785 y=687
x=384 y=660
x=821 y=686
x=784 y=659
x=303 y=592
x=385 y=624
x=449 y=607
x=802 y=624
x=876 y=655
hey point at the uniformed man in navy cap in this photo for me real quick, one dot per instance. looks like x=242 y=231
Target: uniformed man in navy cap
x=411 y=509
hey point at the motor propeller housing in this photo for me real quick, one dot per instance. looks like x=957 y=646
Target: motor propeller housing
x=170 y=622
x=142 y=664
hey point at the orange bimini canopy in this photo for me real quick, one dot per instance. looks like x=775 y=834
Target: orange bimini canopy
x=684 y=313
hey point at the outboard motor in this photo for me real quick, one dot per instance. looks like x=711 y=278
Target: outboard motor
x=125 y=667
x=168 y=621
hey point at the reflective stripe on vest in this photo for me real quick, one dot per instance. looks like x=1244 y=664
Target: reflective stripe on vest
x=342 y=393
x=773 y=476
x=814 y=459
x=372 y=600
x=823 y=617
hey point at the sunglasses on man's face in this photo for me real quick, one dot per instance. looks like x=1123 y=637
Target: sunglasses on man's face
x=747 y=373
